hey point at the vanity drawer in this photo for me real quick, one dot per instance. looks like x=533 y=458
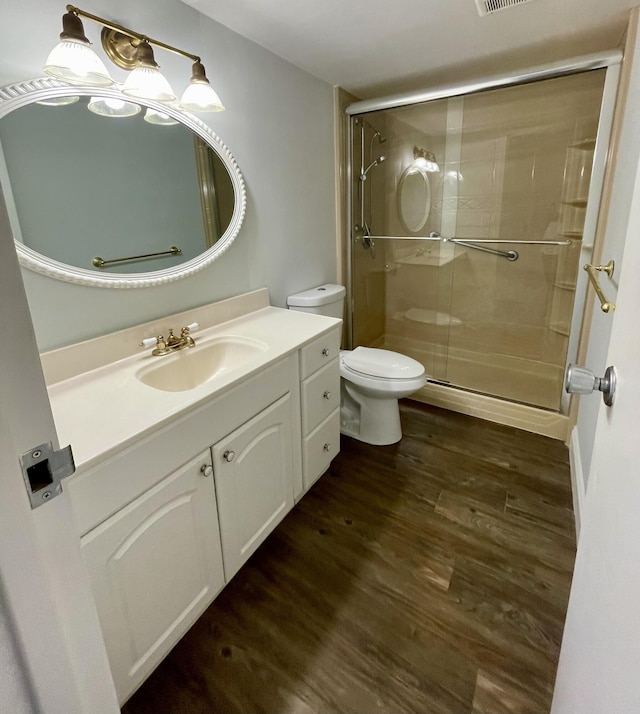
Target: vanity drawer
x=320 y=395
x=319 y=352
x=320 y=447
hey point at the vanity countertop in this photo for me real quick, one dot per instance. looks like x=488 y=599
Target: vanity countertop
x=106 y=408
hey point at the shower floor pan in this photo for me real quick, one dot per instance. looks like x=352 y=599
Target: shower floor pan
x=530 y=382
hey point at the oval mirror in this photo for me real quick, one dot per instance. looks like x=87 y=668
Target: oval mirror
x=414 y=198
x=114 y=201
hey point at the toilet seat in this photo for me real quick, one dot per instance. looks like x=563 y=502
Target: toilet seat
x=381 y=364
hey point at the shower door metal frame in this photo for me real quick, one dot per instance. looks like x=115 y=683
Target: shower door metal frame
x=609 y=60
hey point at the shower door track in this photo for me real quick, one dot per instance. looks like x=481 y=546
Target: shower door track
x=599 y=60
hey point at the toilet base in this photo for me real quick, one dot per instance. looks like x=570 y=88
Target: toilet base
x=371 y=420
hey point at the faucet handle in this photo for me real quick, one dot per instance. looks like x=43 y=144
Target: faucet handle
x=191 y=327
x=151 y=341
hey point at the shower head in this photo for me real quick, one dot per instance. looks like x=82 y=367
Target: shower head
x=375 y=162
x=379 y=136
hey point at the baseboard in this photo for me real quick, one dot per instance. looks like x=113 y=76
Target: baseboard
x=577 y=479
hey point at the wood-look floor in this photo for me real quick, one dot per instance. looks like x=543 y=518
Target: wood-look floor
x=429 y=576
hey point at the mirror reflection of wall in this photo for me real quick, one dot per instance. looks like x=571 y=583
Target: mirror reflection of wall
x=85 y=185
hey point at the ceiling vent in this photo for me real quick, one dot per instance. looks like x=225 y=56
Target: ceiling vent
x=488 y=7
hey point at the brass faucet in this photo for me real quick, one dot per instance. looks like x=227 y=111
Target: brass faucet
x=179 y=343
x=172 y=343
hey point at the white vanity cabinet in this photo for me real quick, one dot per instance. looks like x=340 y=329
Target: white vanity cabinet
x=162 y=530
x=155 y=566
x=320 y=405
x=254 y=482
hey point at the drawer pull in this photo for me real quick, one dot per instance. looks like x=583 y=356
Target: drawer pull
x=325 y=352
x=327 y=395
x=206 y=469
x=229 y=456
x=327 y=447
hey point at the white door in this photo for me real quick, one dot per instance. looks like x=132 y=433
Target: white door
x=45 y=591
x=599 y=670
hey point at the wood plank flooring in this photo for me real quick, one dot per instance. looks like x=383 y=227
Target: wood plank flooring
x=429 y=576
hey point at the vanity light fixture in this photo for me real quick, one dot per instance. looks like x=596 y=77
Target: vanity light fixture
x=200 y=93
x=108 y=107
x=58 y=101
x=146 y=81
x=74 y=61
x=159 y=118
x=424 y=159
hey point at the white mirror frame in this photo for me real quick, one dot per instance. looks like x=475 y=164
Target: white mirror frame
x=424 y=217
x=14 y=96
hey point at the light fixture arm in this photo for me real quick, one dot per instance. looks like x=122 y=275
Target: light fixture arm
x=130 y=33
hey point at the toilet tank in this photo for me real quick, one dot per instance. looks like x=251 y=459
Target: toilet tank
x=326 y=300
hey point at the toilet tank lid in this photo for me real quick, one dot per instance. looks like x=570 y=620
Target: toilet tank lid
x=321 y=295
x=382 y=363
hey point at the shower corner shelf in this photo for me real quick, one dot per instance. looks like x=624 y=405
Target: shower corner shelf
x=584 y=145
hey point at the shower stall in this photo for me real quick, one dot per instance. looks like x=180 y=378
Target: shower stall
x=471 y=214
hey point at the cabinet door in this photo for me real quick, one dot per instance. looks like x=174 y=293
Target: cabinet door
x=155 y=566
x=254 y=482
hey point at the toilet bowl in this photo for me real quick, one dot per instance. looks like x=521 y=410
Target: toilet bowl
x=371 y=382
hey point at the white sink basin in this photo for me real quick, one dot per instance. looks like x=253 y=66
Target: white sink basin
x=191 y=367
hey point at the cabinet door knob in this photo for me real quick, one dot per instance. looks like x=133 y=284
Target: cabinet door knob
x=229 y=456
x=206 y=469
x=327 y=447
x=327 y=394
x=325 y=352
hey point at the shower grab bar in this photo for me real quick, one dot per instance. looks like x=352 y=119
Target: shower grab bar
x=508 y=254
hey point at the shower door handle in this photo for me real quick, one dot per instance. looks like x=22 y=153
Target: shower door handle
x=580 y=380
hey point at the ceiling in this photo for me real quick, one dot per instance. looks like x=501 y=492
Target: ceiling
x=377 y=47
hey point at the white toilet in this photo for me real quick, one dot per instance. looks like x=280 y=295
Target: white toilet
x=372 y=380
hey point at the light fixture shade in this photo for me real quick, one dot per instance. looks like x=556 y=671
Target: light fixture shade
x=200 y=96
x=146 y=81
x=75 y=62
x=159 y=118
x=113 y=107
x=58 y=101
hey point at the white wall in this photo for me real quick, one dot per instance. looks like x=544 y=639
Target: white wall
x=279 y=126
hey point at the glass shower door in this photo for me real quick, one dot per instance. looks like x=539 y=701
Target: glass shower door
x=488 y=307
